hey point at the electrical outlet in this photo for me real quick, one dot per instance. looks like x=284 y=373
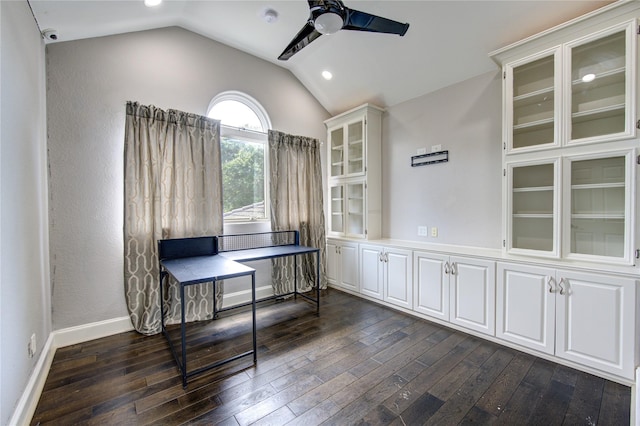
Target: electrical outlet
x=436 y=148
x=422 y=231
x=31 y=346
x=434 y=232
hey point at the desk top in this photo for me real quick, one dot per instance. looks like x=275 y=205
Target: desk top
x=266 y=252
x=201 y=269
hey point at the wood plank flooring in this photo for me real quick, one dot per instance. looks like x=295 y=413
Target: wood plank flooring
x=356 y=363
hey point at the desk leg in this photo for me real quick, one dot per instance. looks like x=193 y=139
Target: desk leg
x=183 y=338
x=253 y=313
x=295 y=276
x=318 y=281
x=162 y=329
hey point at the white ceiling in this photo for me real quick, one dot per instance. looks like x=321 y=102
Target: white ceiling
x=447 y=41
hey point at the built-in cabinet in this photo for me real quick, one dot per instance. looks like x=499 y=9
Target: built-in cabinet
x=580 y=91
x=342 y=264
x=583 y=317
x=569 y=117
x=354 y=173
x=386 y=274
x=565 y=283
x=457 y=289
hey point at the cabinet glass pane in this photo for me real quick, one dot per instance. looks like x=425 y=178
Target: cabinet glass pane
x=598 y=206
x=598 y=76
x=533 y=103
x=355 y=208
x=337 y=213
x=337 y=152
x=532 y=207
x=356 y=148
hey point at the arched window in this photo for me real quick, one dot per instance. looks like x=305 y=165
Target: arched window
x=243 y=138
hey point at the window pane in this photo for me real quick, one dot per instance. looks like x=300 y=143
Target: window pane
x=243 y=179
x=236 y=114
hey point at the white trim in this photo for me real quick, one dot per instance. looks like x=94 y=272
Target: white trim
x=28 y=402
x=244 y=296
x=243 y=98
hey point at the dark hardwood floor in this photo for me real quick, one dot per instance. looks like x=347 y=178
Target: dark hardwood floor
x=357 y=363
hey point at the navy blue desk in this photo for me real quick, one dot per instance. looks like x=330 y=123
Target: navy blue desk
x=198 y=267
x=192 y=261
x=248 y=255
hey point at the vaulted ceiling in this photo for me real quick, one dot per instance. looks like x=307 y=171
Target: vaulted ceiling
x=447 y=41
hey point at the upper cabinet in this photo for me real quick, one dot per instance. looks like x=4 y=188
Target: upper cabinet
x=599 y=83
x=347 y=149
x=570 y=148
x=354 y=172
x=580 y=91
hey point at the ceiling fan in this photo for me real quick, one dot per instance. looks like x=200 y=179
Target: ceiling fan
x=330 y=16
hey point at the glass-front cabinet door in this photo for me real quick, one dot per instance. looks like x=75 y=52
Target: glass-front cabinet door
x=347 y=205
x=532 y=85
x=532 y=222
x=336 y=216
x=600 y=86
x=347 y=149
x=599 y=207
x=355 y=209
x=336 y=152
x=355 y=132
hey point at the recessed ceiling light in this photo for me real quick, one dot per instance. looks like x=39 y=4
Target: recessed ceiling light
x=327 y=75
x=588 y=77
x=152 y=3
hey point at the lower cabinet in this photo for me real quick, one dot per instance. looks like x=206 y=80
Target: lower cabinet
x=588 y=318
x=342 y=264
x=582 y=317
x=456 y=289
x=386 y=274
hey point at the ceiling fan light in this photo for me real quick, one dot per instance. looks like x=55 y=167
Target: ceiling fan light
x=328 y=23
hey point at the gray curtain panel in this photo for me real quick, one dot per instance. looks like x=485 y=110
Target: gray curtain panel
x=172 y=189
x=295 y=179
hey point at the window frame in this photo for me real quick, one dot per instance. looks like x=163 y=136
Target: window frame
x=248 y=135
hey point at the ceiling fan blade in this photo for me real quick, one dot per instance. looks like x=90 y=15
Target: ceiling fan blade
x=306 y=35
x=362 y=21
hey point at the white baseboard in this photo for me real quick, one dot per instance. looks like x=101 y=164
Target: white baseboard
x=244 y=296
x=28 y=402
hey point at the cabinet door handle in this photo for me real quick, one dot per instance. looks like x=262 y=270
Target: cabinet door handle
x=560 y=285
x=454 y=269
x=550 y=283
x=446 y=267
x=380 y=258
x=386 y=257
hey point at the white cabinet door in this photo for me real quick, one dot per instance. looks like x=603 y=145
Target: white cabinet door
x=595 y=321
x=349 y=266
x=472 y=294
x=525 y=311
x=371 y=271
x=342 y=264
x=431 y=285
x=332 y=262
x=398 y=265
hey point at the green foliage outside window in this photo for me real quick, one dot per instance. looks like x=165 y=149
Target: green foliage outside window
x=242 y=174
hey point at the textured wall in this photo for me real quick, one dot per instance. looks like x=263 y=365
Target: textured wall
x=88 y=84
x=462 y=198
x=24 y=278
